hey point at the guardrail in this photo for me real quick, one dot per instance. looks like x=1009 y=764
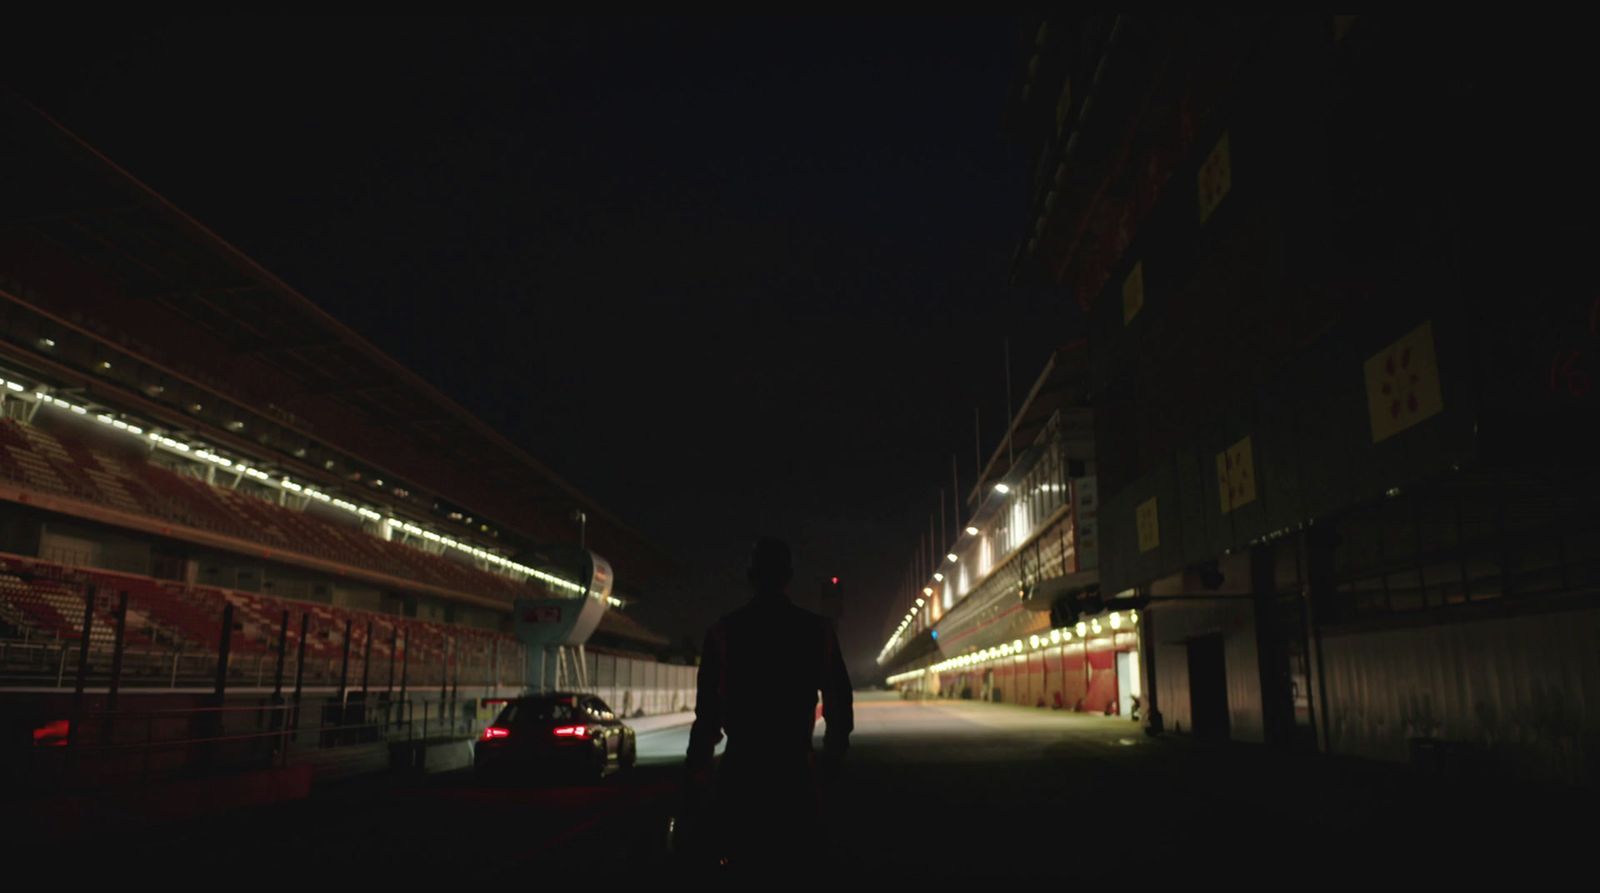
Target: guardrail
x=52 y=664
x=110 y=747
x=95 y=725
x=99 y=634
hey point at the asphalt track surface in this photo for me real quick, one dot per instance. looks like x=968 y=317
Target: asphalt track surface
x=932 y=789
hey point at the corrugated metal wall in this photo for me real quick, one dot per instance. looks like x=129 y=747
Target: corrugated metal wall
x=1234 y=620
x=635 y=687
x=1102 y=694
x=1074 y=678
x=1522 y=688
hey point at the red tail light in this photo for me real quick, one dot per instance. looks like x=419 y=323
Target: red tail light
x=52 y=734
x=494 y=732
x=571 y=731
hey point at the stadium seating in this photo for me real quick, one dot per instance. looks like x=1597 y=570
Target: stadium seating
x=45 y=599
x=39 y=460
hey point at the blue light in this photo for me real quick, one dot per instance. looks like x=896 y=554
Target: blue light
x=936 y=634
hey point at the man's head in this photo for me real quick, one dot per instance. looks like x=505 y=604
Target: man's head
x=770 y=566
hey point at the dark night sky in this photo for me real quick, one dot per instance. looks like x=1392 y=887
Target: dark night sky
x=726 y=277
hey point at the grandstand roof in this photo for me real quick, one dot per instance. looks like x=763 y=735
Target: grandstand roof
x=243 y=357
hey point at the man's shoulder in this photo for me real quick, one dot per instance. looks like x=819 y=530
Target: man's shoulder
x=807 y=619
x=808 y=613
x=824 y=622
x=720 y=626
x=756 y=612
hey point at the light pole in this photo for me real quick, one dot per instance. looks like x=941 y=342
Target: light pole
x=583 y=524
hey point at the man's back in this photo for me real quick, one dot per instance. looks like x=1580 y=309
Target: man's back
x=760 y=673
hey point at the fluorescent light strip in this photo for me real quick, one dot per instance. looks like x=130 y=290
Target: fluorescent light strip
x=293 y=486
x=1053 y=638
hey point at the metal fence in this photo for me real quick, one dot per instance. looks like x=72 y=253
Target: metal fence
x=103 y=637
x=134 y=744
x=637 y=687
x=102 y=701
x=54 y=665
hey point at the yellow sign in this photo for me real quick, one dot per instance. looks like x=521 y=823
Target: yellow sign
x=1149 y=525
x=1216 y=178
x=1133 y=293
x=1403 y=384
x=1236 y=476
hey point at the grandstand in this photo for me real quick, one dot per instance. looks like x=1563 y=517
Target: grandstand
x=173 y=629
x=182 y=430
x=35 y=458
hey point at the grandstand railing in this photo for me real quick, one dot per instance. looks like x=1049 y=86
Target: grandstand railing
x=121 y=677
x=52 y=664
x=147 y=633
x=99 y=748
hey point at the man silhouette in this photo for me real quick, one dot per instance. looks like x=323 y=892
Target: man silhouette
x=760 y=671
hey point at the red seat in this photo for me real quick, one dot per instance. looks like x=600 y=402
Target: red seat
x=39 y=459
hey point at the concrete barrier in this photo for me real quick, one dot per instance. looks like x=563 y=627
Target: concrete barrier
x=62 y=816
x=427 y=757
x=644 y=725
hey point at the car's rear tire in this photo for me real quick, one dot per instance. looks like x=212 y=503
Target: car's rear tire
x=630 y=753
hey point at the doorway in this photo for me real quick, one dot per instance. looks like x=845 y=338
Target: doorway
x=1208 y=688
x=1127 y=683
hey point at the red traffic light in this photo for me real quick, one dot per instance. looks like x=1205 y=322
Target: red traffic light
x=836 y=581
